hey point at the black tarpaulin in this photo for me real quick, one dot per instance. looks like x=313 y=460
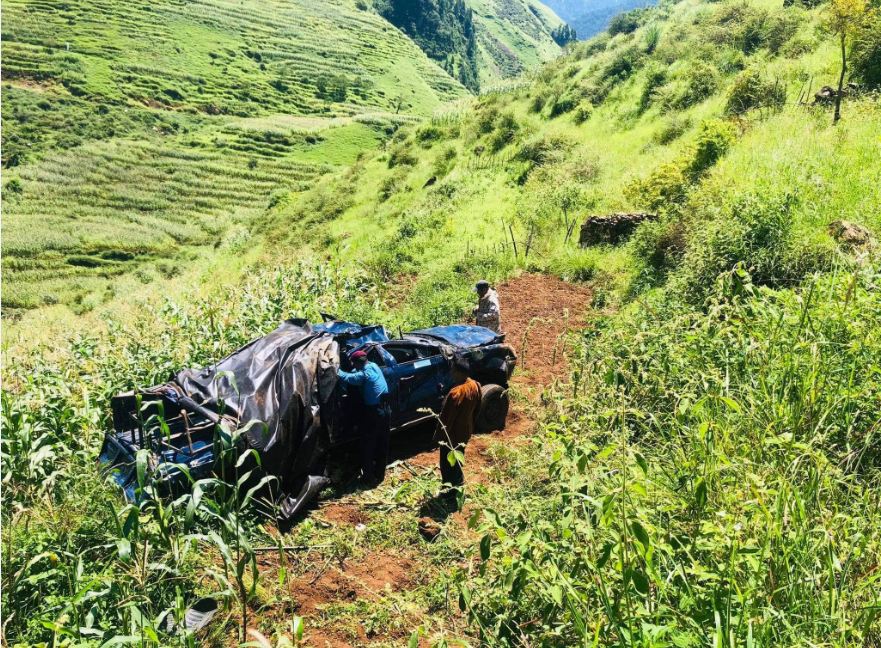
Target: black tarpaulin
x=286 y=381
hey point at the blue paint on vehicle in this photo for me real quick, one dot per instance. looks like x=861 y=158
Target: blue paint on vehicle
x=462 y=335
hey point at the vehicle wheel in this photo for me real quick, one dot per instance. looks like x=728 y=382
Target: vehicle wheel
x=494 y=403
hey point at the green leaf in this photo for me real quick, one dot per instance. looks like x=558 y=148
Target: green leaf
x=124 y=549
x=605 y=553
x=142 y=458
x=700 y=493
x=414 y=639
x=642 y=463
x=605 y=452
x=298 y=626
x=640 y=581
x=641 y=534
x=485 y=544
x=731 y=403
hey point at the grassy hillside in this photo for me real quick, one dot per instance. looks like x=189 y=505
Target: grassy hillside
x=218 y=57
x=123 y=134
x=79 y=217
x=707 y=476
x=512 y=37
x=590 y=18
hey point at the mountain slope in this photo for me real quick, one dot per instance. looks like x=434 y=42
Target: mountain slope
x=220 y=56
x=512 y=36
x=589 y=17
x=123 y=138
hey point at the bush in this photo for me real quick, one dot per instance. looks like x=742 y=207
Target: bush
x=656 y=76
x=865 y=57
x=756 y=232
x=751 y=89
x=780 y=28
x=666 y=187
x=658 y=246
x=714 y=140
x=623 y=64
x=444 y=162
x=562 y=104
x=662 y=190
x=582 y=113
x=505 y=130
x=428 y=134
x=401 y=155
x=696 y=84
x=671 y=130
x=652 y=38
x=626 y=23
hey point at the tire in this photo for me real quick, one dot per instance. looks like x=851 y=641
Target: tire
x=494 y=404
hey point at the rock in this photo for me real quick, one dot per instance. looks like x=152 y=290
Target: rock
x=429 y=528
x=826 y=95
x=611 y=228
x=850 y=235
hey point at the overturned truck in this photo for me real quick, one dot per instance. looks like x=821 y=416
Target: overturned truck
x=281 y=391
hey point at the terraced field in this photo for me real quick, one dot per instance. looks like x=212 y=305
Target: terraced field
x=77 y=218
x=239 y=57
x=512 y=36
x=133 y=131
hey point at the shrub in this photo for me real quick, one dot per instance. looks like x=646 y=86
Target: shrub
x=168 y=269
x=444 y=162
x=751 y=89
x=714 y=140
x=562 y=104
x=623 y=64
x=658 y=247
x=486 y=120
x=13 y=186
x=755 y=231
x=541 y=149
x=505 y=130
x=428 y=134
x=626 y=23
x=537 y=103
x=671 y=130
x=582 y=113
x=662 y=189
x=656 y=76
x=698 y=82
x=780 y=28
x=401 y=155
x=865 y=57
x=652 y=38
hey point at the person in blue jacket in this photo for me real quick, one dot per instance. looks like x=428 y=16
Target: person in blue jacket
x=373 y=423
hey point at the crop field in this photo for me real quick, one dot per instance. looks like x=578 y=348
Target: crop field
x=512 y=37
x=220 y=56
x=77 y=218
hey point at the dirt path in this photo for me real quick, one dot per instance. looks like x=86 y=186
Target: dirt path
x=537 y=312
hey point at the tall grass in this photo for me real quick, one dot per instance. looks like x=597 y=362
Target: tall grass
x=714 y=481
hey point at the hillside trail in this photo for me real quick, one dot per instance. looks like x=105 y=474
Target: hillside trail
x=537 y=313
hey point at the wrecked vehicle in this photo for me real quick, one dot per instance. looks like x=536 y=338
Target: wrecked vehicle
x=286 y=383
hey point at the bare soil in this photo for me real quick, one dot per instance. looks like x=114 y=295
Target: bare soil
x=537 y=313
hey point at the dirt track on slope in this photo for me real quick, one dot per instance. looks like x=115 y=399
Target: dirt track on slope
x=537 y=312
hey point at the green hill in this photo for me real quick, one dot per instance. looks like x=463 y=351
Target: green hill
x=479 y=42
x=123 y=139
x=512 y=37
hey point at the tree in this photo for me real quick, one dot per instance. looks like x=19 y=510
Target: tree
x=843 y=19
